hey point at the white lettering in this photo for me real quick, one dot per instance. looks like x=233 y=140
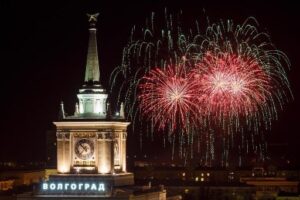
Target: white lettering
x=45 y=186
x=94 y=187
x=86 y=186
x=73 y=186
x=101 y=187
x=52 y=186
x=59 y=186
x=80 y=186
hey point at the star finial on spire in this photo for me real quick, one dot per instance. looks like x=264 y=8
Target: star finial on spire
x=93 y=19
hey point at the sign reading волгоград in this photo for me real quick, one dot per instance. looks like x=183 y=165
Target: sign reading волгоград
x=75 y=188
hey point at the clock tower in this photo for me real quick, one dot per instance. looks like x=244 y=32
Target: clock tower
x=91 y=146
x=91 y=143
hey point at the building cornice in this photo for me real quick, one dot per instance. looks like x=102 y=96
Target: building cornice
x=91 y=124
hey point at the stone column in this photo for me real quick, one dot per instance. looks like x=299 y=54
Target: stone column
x=123 y=141
x=112 y=158
x=67 y=153
x=63 y=152
x=60 y=152
x=104 y=141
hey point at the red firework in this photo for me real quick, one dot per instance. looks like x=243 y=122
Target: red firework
x=231 y=85
x=167 y=97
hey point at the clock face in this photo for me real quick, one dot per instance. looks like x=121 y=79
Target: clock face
x=84 y=149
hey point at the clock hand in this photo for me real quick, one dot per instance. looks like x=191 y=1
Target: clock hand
x=84 y=148
x=80 y=152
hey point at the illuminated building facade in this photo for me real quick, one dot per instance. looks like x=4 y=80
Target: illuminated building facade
x=91 y=140
x=91 y=146
x=91 y=143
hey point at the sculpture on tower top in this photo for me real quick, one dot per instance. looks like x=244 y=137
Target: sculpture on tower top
x=93 y=19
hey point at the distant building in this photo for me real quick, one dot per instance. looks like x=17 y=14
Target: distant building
x=238 y=192
x=256 y=183
x=270 y=187
x=288 y=196
x=24 y=177
x=6 y=184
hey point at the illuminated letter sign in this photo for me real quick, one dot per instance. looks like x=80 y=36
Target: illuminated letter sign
x=73 y=187
x=45 y=186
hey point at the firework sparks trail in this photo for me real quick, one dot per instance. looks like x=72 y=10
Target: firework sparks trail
x=241 y=77
x=230 y=86
x=226 y=79
x=168 y=97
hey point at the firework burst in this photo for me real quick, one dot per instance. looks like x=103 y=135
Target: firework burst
x=149 y=47
x=241 y=76
x=168 y=97
x=231 y=87
x=226 y=79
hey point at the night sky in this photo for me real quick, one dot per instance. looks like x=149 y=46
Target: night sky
x=44 y=45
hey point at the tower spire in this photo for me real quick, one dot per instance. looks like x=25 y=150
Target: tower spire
x=92 y=72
